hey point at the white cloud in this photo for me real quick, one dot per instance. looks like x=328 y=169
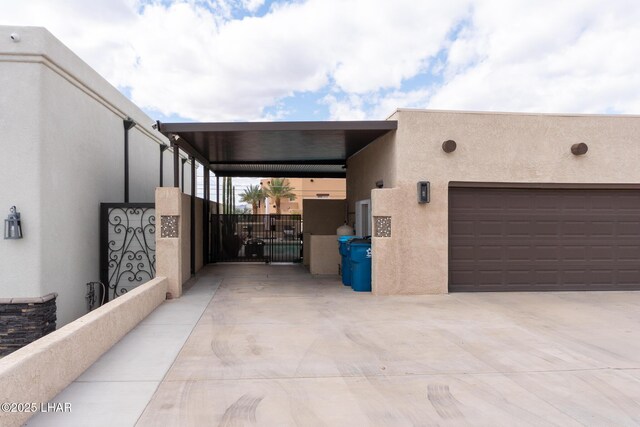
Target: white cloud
x=252 y=5
x=351 y=108
x=191 y=58
x=545 y=56
x=184 y=59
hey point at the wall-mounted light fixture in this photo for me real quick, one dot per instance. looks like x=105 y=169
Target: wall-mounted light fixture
x=13 y=225
x=423 y=192
x=579 y=149
x=449 y=146
x=379 y=184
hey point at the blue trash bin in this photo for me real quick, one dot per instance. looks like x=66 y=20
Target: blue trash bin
x=360 y=256
x=343 y=247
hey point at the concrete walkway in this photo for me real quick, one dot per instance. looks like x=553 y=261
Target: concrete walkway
x=115 y=390
x=276 y=346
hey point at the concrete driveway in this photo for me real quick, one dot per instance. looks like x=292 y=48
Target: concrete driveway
x=277 y=347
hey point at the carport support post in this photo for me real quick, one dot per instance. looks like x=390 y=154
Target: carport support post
x=217 y=224
x=170 y=234
x=182 y=173
x=128 y=124
x=163 y=147
x=205 y=218
x=193 y=215
x=176 y=165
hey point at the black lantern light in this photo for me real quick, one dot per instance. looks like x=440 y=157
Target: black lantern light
x=12 y=225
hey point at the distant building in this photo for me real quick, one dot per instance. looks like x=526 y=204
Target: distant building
x=304 y=188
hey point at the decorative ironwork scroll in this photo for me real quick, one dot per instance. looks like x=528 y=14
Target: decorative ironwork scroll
x=128 y=246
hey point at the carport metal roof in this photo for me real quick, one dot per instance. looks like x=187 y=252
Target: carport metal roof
x=282 y=149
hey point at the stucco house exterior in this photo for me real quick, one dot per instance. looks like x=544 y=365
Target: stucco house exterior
x=517 y=205
x=510 y=202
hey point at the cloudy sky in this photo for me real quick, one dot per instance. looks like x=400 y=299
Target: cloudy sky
x=220 y=60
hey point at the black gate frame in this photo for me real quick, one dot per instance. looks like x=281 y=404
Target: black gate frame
x=268 y=245
x=104 y=243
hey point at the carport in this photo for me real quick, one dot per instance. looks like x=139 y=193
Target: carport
x=264 y=149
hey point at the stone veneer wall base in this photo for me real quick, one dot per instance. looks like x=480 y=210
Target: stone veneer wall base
x=24 y=320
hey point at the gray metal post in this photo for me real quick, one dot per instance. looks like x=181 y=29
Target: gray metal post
x=193 y=214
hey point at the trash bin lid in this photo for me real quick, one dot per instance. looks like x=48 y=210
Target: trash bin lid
x=346 y=238
x=364 y=241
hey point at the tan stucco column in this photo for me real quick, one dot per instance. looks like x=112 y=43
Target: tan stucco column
x=170 y=233
x=384 y=242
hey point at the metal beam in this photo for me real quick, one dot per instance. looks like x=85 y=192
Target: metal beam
x=278 y=126
x=191 y=151
x=281 y=162
x=262 y=174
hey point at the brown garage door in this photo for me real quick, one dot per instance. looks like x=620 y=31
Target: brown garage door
x=524 y=239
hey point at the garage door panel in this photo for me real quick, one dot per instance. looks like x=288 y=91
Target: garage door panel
x=602 y=253
x=517 y=228
x=464 y=228
x=628 y=253
x=544 y=239
x=518 y=253
x=573 y=253
x=629 y=277
x=602 y=277
x=463 y=252
x=602 y=228
x=490 y=253
x=545 y=228
x=490 y=229
x=629 y=228
x=546 y=253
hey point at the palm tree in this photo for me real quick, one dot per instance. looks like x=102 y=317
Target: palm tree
x=279 y=189
x=253 y=194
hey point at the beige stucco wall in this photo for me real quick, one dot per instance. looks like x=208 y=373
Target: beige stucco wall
x=378 y=161
x=492 y=147
x=324 y=255
x=39 y=371
x=62 y=155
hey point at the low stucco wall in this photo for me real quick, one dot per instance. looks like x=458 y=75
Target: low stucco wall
x=324 y=255
x=320 y=217
x=491 y=148
x=39 y=371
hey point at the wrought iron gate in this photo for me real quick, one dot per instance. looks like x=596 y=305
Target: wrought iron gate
x=257 y=238
x=127 y=246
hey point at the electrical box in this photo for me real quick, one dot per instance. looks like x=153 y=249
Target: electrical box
x=423 y=192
